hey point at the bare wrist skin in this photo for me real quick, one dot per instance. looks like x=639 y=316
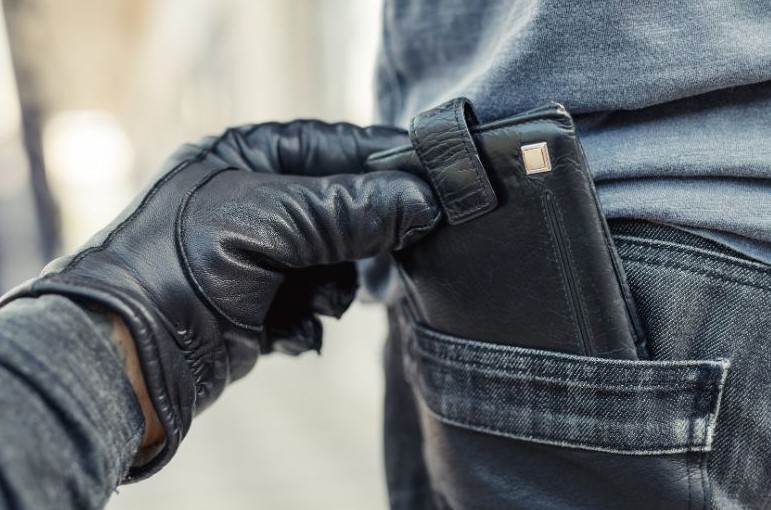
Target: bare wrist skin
x=154 y=435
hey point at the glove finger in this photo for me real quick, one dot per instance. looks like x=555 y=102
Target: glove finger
x=325 y=290
x=348 y=217
x=291 y=325
x=305 y=147
x=293 y=337
x=271 y=225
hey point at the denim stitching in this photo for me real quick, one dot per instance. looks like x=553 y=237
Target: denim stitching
x=705 y=483
x=709 y=274
x=710 y=387
x=473 y=346
x=653 y=450
x=514 y=373
x=688 y=476
x=695 y=251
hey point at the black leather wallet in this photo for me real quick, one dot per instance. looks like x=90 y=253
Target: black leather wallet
x=525 y=257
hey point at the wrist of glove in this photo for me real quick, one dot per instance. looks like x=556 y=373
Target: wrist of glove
x=236 y=249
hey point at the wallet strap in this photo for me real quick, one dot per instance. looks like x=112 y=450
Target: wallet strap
x=443 y=142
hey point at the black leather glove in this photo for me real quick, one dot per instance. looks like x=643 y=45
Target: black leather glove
x=235 y=249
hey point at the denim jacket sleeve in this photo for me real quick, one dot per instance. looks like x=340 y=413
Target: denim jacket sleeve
x=69 y=421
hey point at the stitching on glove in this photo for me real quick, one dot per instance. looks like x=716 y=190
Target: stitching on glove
x=150 y=194
x=180 y=234
x=147 y=351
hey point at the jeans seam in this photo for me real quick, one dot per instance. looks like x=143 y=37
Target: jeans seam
x=716 y=276
x=693 y=250
x=690 y=480
x=520 y=373
x=693 y=443
x=599 y=446
x=705 y=482
x=589 y=361
x=688 y=462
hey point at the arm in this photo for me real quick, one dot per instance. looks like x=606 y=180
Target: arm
x=70 y=424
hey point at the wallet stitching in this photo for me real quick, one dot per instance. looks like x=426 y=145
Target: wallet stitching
x=563 y=283
x=450 y=207
x=495 y=126
x=471 y=153
x=581 y=300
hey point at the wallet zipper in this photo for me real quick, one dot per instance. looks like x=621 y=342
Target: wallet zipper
x=569 y=272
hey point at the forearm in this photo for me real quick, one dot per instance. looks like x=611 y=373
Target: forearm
x=70 y=422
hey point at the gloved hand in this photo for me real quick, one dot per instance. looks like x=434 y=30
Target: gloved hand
x=235 y=249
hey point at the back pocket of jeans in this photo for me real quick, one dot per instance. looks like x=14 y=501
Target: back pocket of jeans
x=529 y=415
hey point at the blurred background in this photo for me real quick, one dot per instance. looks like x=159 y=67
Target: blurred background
x=93 y=95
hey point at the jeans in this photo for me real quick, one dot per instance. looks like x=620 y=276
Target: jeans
x=471 y=425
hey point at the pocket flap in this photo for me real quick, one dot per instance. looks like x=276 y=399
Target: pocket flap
x=619 y=406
